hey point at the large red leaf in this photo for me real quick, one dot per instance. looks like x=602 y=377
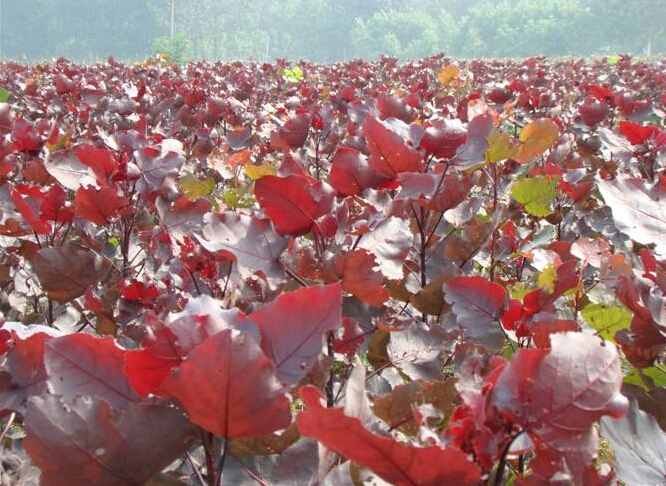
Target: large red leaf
x=294 y=203
x=638 y=209
x=395 y=462
x=443 y=138
x=252 y=242
x=389 y=153
x=478 y=305
x=65 y=272
x=86 y=442
x=228 y=387
x=98 y=205
x=54 y=206
x=635 y=133
x=557 y=396
x=167 y=345
x=155 y=164
x=81 y=364
x=22 y=372
x=101 y=161
x=350 y=173
x=294 y=325
x=293 y=133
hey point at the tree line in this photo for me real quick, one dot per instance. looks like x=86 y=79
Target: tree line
x=328 y=30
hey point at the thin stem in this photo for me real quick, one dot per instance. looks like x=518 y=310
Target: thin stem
x=194 y=280
x=7 y=427
x=220 y=463
x=499 y=475
x=190 y=461
x=296 y=277
x=330 y=399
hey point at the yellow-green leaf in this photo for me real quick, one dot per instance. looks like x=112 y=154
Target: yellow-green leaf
x=195 y=188
x=500 y=147
x=536 y=137
x=237 y=198
x=4 y=95
x=547 y=278
x=607 y=319
x=646 y=378
x=536 y=194
x=255 y=172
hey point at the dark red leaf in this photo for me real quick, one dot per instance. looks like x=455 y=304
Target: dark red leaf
x=294 y=325
x=87 y=442
x=80 y=364
x=478 y=305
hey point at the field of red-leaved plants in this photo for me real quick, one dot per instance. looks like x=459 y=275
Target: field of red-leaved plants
x=436 y=273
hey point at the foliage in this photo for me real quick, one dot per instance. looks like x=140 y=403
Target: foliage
x=441 y=272
x=175 y=49
x=328 y=30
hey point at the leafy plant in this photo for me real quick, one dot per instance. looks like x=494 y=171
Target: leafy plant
x=176 y=49
x=429 y=273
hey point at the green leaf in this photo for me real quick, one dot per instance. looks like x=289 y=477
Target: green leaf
x=195 y=188
x=294 y=75
x=647 y=378
x=607 y=319
x=536 y=194
x=612 y=60
x=237 y=198
x=4 y=95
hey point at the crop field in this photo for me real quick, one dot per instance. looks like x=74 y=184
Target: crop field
x=440 y=272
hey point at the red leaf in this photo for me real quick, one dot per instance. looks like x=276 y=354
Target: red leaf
x=478 y=305
x=350 y=173
x=443 y=138
x=53 y=206
x=98 y=205
x=80 y=364
x=593 y=111
x=557 y=396
x=638 y=209
x=66 y=272
x=360 y=279
x=294 y=203
x=389 y=154
x=166 y=345
x=22 y=374
x=28 y=201
x=139 y=291
x=86 y=442
x=395 y=462
x=293 y=133
x=542 y=330
x=294 y=325
x=635 y=133
x=228 y=387
x=101 y=161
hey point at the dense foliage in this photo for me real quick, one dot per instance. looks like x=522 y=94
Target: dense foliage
x=329 y=30
x=431 y=273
